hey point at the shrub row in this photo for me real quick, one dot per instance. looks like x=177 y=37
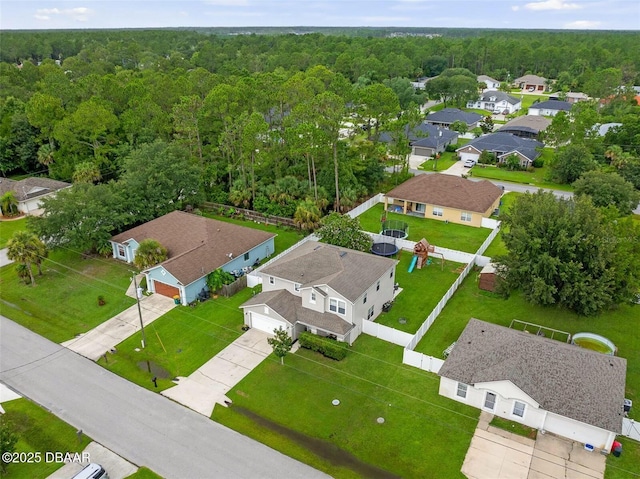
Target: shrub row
x=328 y=347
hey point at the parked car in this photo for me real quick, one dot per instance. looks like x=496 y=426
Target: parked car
x=469 y=163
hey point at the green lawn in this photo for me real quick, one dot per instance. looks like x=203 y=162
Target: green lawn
x=628 y=464
x=422 y=433
x=497 y=247
x=64 y=302
x=421 y=291
x=447 y=159
x=9 y=227
x=39 y=431
x=471 y=302
x=144 y=473
x=514 y=427
x=179 y=342
x=439 y=233
x=286 y=238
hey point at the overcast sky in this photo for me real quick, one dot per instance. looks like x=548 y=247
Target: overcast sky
x=552 y=14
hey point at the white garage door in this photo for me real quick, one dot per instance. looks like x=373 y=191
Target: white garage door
x=266 y=324
x=469 y=156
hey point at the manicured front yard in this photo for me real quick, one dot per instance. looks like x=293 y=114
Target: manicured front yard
x=64 y=302
x=179 y=342
x=628 y=464
x=9 y=227
x=439 y=233
x=471 y=302
x=447 y=159
x=423 y=434
x=39 y=431
x=421 y=291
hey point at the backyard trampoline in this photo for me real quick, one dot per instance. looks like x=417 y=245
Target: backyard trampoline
x=384 y=245
x=395 y=229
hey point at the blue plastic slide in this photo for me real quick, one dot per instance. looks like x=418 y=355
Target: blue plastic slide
x=413 y=263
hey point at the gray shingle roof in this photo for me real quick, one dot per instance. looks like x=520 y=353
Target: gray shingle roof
x=533 y=79
x=503 y=142
x=533 y=123
x=448 y=191
x=424 y=134
x=31 y=187
x=290 y=308
x=564 y=379
x=499 y=96
x=483 y=78
x=348 y=272
x=450 y=115
x=195 y=245
x=552 y=105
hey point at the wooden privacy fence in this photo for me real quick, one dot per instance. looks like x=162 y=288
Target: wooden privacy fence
x=250 y=215
x=230 y=289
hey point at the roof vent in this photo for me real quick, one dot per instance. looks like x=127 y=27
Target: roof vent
x=230 y=255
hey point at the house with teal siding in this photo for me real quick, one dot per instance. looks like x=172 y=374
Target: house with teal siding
x=196 y=246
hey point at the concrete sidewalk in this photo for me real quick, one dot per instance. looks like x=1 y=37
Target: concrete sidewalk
x=107 y=335
x=210 y=383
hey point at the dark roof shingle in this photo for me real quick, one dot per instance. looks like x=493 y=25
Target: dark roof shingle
x=448 y=191
x=31 y=187
x=552 y=105
x=564 y=379
x=503 y=142
x=450 y=115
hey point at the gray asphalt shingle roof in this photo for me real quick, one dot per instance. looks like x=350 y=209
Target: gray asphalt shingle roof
x=564 y=379
x=425 y=135
x=450 y=115
x=348 y=272
x=503 y=142
x=499 y=96
x=31 y=187
x=533 y=123
x=552 y=105
x=289 y=306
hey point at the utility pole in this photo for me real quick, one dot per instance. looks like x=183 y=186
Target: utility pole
x=135 y=284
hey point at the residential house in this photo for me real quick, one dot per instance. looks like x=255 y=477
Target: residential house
x=491 y=83
x=531 y=83
x=497 y=102
x=570 y=97
x=30 y=192
x=321 y=288
x=445 y=198
x=421 y=83
x=549 y=108
x=540 y=382
x=447 y=116
x=604 y=128
x=502 y=144
x=196 y=246
x=426 y=139
x=527 y=126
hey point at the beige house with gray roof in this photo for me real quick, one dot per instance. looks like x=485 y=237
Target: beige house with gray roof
x=542 y=383
x=321 y=288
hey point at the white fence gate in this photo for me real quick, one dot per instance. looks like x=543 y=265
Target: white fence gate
x=631 y=428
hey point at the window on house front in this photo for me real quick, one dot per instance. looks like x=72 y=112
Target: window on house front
x=421 y=207
x=246 y=256
x=462 y=390
x=313 y=297
x=378 y=286
x=337 y=306
x=437 y=211
x=464 y=216
x=518 y=408
x=370 y=312
x=364 y=301
x=272 y=280
x=490 y=401
x=121 y=251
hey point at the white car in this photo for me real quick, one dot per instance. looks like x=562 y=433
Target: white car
x=469 y=163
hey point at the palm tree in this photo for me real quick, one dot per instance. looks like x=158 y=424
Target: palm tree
x=8 y=203
x=86 y=172
x=25 y=248
x=149 y=253
x=45 y=154
x=307 y=215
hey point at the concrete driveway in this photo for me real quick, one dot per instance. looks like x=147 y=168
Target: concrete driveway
x=4 y=261
x=210 y=383
x=557 y=457
x=456 y=169
x=116 y=467
x=106 y=336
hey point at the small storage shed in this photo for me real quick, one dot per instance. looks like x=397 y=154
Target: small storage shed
x=488 y=278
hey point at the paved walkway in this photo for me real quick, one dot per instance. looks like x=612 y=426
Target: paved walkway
x=497 y=454
x=106 y=336
x=209 y=384
x=4 y=261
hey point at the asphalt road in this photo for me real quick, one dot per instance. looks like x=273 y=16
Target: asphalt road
x=145 y=428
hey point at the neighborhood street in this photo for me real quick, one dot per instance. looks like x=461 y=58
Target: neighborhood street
x=145 y=428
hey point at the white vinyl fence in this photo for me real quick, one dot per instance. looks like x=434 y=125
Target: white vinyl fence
x=422 y=361
x=631 y=428
x=489 y=239
x=386 y=333
x=370 y=203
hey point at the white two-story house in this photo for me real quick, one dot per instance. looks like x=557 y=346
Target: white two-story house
x=497 y=102
x=323 y=289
